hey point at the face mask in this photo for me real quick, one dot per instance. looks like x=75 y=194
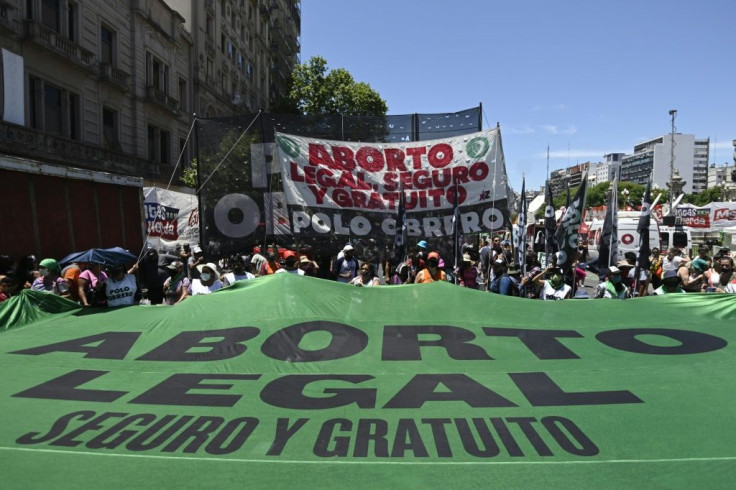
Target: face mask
x=44 y=272
x=615 y=279
x=205 y=276
x=290 y=263
x=432 y=263
x=556 y=280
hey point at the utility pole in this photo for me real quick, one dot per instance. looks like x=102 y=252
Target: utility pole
x=673 y=114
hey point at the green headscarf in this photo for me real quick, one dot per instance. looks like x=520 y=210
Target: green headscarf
x=51 y=265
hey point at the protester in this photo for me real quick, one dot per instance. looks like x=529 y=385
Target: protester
x=692 y=275
x=655 y=268
x=527 y=285
x=553 y=288
x=291 y=264
x=121 y=287
x=208 y=282
x=257 y=261
x=91 y=286
x=503 y=282
x=271 y=265
x=152 y=275
x=26 y=271
x=467 y=273
x=670 y=284
x=346 y=267
x=613 y=287
x=413 y=265
x=8 y=286
x=723 y=280
x=175 y=288
x=309 y=267
x=432 y=272
x=672 y=260
x=367 y=277
x=194 y=262
x=50 y=279
x=238 y=272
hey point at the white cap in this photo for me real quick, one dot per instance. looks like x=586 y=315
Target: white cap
x=347 y=247
x=614 y=270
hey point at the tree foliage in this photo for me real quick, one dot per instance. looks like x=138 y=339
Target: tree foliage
x=713 y=194
x=315 y=90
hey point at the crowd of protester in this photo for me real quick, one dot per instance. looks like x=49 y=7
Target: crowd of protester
x=168 y=278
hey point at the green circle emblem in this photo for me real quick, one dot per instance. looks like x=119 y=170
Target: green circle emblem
x=477 y=147
x=288 y=146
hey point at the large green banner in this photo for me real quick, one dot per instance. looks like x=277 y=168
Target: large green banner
x=289 y=381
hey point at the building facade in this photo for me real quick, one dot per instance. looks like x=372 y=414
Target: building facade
x=655 y=156
x=243 y=52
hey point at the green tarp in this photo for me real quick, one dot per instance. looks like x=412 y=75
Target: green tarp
x=293 y=382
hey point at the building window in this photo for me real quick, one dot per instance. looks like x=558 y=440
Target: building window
x=52 y=109
x=165 y=145
x=110 y=129
x=50 y=14
x=157 y=73
x=183 y=94
x=209 y=28
x=72 y=22
x=107 y=45
x=159 y=145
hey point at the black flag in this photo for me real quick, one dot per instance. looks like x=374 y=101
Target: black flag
x=521 y=223
x=642 y=260
x=550 y=242
x=608 y=244
x=400 y=237
x=567 y=232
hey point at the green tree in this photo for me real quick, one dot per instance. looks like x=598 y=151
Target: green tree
x=316 y=91
x=713 y=194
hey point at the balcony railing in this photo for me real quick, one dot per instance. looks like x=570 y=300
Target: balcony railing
x=114 y=75
x=163 y=100
x=59 y=44
x=35 y=145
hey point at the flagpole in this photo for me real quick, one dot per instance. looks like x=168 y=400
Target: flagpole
x=456 y=227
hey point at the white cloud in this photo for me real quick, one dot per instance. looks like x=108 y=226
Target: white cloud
x=552 y=129
x=721 y=145
x=522 y=129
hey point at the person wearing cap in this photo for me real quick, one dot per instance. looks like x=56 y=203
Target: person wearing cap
x=50 y=280
x=692 y=274
x=432 y=272
x=345 y=268
x=291 y=264
x=553 y=288
x=467 y=273
x=208 y=282
x=176 y=286
x=237 y=272
x=194 y=262
x=613 y=287
x=367 y=277
x=422 y=247
x=670 y=284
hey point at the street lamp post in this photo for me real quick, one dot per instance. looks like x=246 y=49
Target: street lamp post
x=673 y=113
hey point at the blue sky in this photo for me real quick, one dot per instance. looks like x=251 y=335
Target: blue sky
x=586 y=77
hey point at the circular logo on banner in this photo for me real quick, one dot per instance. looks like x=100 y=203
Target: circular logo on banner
x=288 y=146
x=477 y=147
x=627 y=239
x=237 y=215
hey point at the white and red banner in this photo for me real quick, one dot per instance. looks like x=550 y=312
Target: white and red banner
x=713 y=217
x=352 y=188
x=171 y=217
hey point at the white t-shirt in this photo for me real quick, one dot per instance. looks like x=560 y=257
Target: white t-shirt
x=232 y=278
x=550 y=293
x=196 y=287
x=121 y=293
x=295 y=271
x=358 y=281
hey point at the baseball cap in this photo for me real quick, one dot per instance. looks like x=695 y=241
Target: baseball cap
x=422 y=244
x=433 y=255
x=614 y=270
x=347 y=248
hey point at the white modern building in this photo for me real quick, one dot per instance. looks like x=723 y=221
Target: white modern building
x=655 y=156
